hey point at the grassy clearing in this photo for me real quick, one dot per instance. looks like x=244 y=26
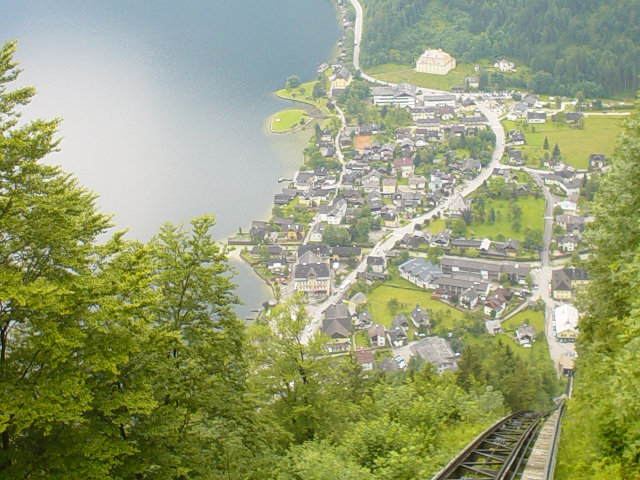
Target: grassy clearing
x=362 y=339
x=306 y=96
x=437 y=226
x=397 y=73
x=286 y=120
x=407 y=74
x=539 y=349
x=598 y=136
x=532 y=217
x=408 y=295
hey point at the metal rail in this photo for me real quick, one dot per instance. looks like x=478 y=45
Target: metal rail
x=501 y=451
x=550 y=467
x=497 y=452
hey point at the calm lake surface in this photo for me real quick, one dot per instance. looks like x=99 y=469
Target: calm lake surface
x=165 y=103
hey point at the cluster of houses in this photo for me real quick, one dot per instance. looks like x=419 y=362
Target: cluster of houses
x=470 y=282
x=340 y=321
x=567 y=181
x=434 y=350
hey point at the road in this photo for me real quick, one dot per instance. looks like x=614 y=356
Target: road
x=543 y=276
x=357 y=37
x=316 y=218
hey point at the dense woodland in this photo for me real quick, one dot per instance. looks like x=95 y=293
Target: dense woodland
x=601 y=435
x=591 y=46
x=121 y=359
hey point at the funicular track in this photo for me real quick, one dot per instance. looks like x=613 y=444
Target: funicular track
x=498 y=453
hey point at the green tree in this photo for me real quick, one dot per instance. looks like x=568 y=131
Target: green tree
x=49 y=225
x=492 y=216
x=393 y=305
x=363 y=227
x=293 y=81
x=556 y=152
x=334 y=235
x=545 y=145
x=298 y=386
x=459 y=227
x=602 y=435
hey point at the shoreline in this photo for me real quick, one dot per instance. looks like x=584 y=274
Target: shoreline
x=234 y=250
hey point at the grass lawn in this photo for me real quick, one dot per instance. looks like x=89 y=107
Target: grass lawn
x=286 y=120
x=599 y=136
x=408 y=295
x=406 y=74
x=532 y=216
x=396 y=73
x=437 y=226
x=306 y=97
x=362 y=339
x=539 y=350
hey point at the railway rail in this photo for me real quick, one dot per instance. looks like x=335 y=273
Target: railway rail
x=500 y=452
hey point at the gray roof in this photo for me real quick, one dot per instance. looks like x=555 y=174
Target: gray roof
x=320 y=249
x=337 y=327
x=420 y=316
x=435 y=350
x=337 y=311
x=400 y=321
x=388 y=365
x=421 y=268
x=303 y=272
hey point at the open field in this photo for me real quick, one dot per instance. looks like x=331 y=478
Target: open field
x=408 y=295
x=306 y=97
x=396 y=73
x=598 y=136
x=539 y=348
x=286 y=120
x=532 y=217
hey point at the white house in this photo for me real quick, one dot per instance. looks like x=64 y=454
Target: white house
x=435 y=62
x=505 y=65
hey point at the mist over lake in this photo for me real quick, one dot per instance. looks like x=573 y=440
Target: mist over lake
x=165 y=103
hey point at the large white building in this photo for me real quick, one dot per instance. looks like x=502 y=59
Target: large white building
x=436 y=62
x=403 y=95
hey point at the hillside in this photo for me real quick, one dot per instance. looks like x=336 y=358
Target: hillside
x=590 y=46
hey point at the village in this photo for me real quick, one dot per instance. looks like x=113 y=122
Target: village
x=421 y=219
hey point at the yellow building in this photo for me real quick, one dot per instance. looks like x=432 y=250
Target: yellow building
x=341 y=79
x=435 y=62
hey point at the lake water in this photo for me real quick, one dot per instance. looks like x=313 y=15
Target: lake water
x=165 y=103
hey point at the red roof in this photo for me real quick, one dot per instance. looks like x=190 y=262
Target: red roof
x=403 y=162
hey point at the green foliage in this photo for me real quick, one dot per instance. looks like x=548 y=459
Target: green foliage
x=336 y=236
x=293 y=81
x=602 y=428
x=523 y=384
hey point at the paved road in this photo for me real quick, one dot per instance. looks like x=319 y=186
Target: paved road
x=316 y=218
x=357 y=37
x=543 y=276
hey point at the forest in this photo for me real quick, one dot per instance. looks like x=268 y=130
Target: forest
x=570 y=46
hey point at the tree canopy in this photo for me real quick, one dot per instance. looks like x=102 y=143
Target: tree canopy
x=571 y=46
